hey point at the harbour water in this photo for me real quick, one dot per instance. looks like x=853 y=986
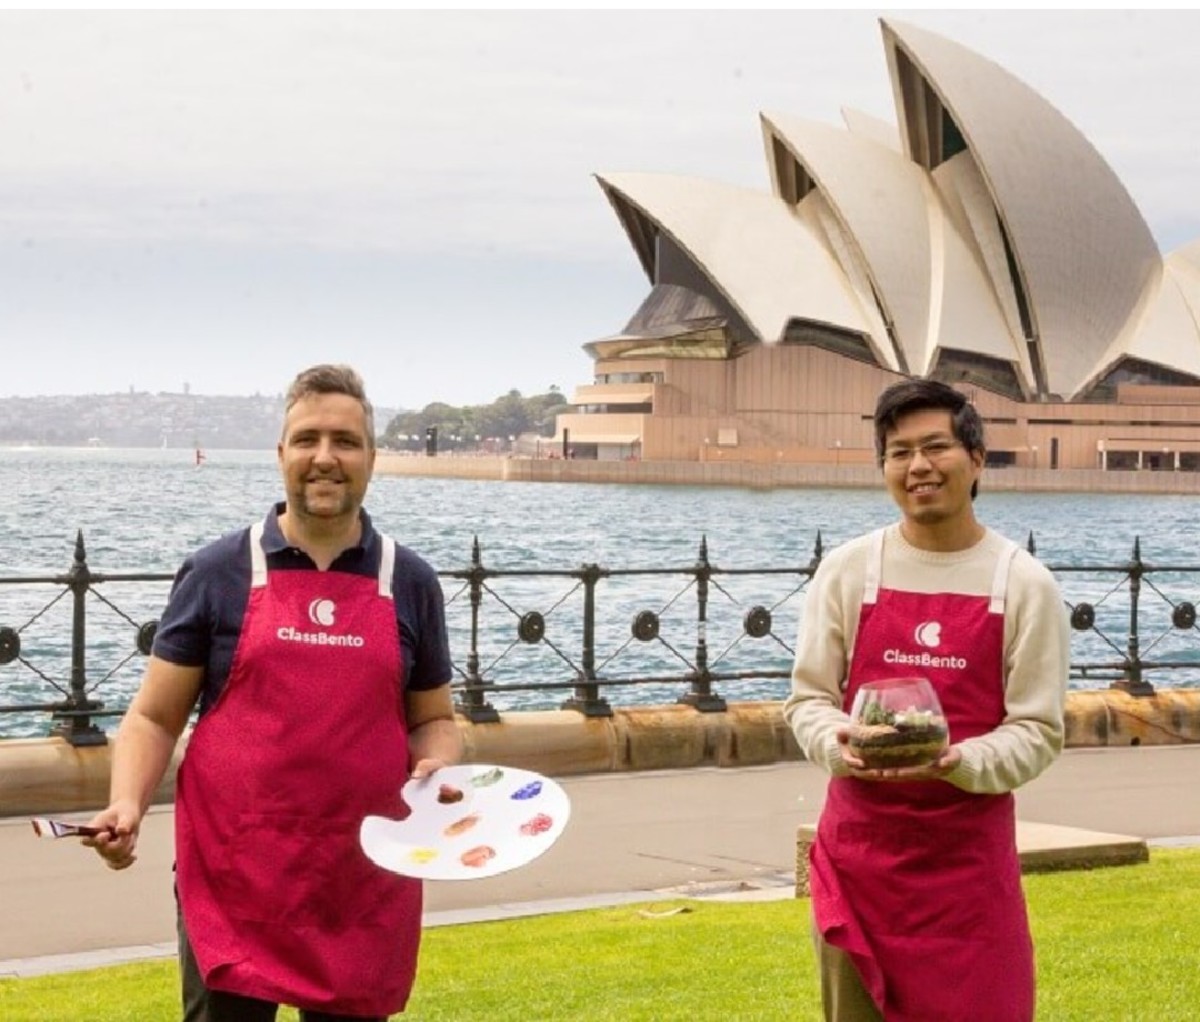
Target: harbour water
x=144 y=510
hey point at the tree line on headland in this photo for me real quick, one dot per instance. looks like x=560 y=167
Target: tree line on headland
x=142 y=419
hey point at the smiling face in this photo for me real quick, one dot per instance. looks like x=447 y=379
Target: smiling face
x=326 y=460
x=930 y=475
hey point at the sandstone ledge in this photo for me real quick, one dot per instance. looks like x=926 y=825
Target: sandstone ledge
x=43 y=775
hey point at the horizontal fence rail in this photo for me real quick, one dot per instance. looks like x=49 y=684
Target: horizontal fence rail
x=519 y=636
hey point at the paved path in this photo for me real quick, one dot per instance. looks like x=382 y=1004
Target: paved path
x=632 y=837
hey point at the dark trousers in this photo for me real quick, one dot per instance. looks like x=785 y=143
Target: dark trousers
x=203 y=1005
x=843 y=996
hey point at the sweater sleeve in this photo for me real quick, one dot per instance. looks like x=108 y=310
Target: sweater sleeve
x=1037 y=652
x=813 y=711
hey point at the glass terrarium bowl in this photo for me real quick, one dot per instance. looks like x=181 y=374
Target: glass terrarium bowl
x=897 y=723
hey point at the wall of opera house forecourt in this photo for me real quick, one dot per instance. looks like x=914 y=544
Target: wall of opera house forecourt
x=40 y=775
x=764 y=475
x=800 y=404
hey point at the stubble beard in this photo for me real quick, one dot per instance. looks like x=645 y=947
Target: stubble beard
x=322 y=509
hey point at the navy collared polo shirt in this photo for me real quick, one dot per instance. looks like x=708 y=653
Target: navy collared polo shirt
x=203 y=619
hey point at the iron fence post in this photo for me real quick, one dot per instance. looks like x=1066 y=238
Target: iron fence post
x=1133 y=682
x=701 y=695
x=474 y=706
x=71 y=718
x=587 y=693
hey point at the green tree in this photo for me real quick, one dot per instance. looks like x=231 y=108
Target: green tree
x=509 y=415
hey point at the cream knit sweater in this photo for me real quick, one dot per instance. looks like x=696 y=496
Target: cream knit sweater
x=1036 y=654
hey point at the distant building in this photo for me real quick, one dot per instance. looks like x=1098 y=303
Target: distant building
x=983 y=242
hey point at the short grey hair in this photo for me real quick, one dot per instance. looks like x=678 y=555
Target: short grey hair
x=332 y=379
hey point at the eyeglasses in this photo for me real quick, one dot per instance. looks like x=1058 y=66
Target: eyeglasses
x=932 y=450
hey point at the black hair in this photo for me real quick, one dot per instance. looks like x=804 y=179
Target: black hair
x=910 y=396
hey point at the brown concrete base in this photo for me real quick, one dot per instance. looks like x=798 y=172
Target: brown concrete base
x=1042 y=848
x=776 y=474
x=49 y=775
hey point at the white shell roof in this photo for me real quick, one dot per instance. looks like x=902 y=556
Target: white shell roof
x=925 y=273
x=1085 y=253
x=881 y=132
x=1167 y=334
x=727 y=230
x=970 y=312
x=875 y=225
x=879 y=197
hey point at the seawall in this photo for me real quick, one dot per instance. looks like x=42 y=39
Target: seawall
x=781 y=475
x=47 y=775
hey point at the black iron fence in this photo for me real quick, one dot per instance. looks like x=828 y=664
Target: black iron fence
x=690 y=633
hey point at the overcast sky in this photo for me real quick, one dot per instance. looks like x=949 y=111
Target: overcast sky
x=220 y=199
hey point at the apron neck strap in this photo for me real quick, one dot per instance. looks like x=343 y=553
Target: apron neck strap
x=258 y=561
x=874 y=569
x=387 y=565
x=258 y=558
x=1000 y=579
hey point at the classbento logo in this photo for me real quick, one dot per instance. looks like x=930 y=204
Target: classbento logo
x=923 y=659
x=319 y=638
x=321 y=612
x=928 y=634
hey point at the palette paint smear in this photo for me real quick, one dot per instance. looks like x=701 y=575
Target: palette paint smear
x=468 y=822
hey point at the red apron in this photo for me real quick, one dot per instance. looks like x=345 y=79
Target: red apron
x=306 y=739
x=919 y=882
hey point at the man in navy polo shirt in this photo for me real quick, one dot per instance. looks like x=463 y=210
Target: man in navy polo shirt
x=317 y=652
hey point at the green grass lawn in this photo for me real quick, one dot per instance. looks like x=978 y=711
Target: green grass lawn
x=1117 y=945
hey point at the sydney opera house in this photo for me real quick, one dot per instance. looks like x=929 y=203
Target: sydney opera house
x=982 y=240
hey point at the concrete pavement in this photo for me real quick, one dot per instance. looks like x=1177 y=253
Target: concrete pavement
x=633 y=837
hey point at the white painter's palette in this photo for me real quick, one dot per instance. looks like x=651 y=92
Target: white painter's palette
x=468 y=822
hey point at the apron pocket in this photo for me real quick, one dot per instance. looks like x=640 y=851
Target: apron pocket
x=286 y=869
x=912 y=879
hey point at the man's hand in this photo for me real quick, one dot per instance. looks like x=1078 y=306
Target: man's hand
x=939 y=768
x=425 y=767
x=116 y=843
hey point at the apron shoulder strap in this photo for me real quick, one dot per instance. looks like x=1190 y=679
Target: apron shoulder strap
x=874 y=570
x=387 y=565
x=1000 y=579
x=258 y=558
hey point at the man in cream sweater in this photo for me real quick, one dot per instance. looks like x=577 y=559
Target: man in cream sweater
x=918 y=913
